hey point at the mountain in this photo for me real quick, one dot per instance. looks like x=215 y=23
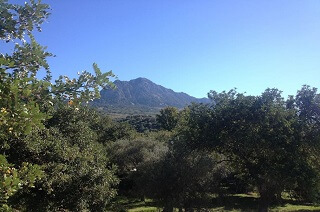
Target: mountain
x=144 y=95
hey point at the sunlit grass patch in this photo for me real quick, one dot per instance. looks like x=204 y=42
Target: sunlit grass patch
x=144 y=209
x=290 y=207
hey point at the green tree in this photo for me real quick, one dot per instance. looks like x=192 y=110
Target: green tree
x=271 y=143
x=142 y=123
x=77 y=172
x=168 y=118
x=26 y=105
x=185 y=178
x=25 y=99
x=194 y=126
x=19 y=113
x=13 y=180
x=105 y=128
x=259 y=134
x=134 y=159
x=307 y=105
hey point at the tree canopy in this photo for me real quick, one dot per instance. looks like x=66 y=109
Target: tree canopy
x=47 y=159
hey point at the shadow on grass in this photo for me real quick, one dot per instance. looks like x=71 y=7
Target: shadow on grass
x=241 y=202
x=244 y=203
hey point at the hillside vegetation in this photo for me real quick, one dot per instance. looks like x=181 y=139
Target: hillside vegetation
x=141 y=96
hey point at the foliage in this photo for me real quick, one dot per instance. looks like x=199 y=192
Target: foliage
x=307 y=106
x=168 y=118
x=84 y=89
x=262 y=142
x=142 y=123
x=17 y=20
x=269 y=141
x=13 y=179
x=78 y=173
x=26 y=100
x=163 y=136
x=105 y=129
x=258 y=133
x=194 y=126
x=184 y=178
x=18 y=89
x=134 y=158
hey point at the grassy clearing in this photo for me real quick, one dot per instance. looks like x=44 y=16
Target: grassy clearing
x=290 y=207
x=134 y=205
x=144 y=209
x=234 y=203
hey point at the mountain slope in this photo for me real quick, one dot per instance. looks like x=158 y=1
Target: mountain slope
x=143 y=93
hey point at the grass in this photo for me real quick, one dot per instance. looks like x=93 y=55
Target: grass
x=234 y=203
x=134 y=205
x=290 y=207
x=144 y=209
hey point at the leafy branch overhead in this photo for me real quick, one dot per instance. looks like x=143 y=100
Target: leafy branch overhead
x=27 y=103
x=18 y=20
x=86 y=88
x=27 y=100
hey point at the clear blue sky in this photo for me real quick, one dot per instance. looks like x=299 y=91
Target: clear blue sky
x=190 y=46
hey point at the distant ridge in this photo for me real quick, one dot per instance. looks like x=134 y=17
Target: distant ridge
x=143 y=93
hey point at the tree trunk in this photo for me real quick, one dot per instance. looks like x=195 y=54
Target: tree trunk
x=142 y=198
x=268 y=195
x=168 y=208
